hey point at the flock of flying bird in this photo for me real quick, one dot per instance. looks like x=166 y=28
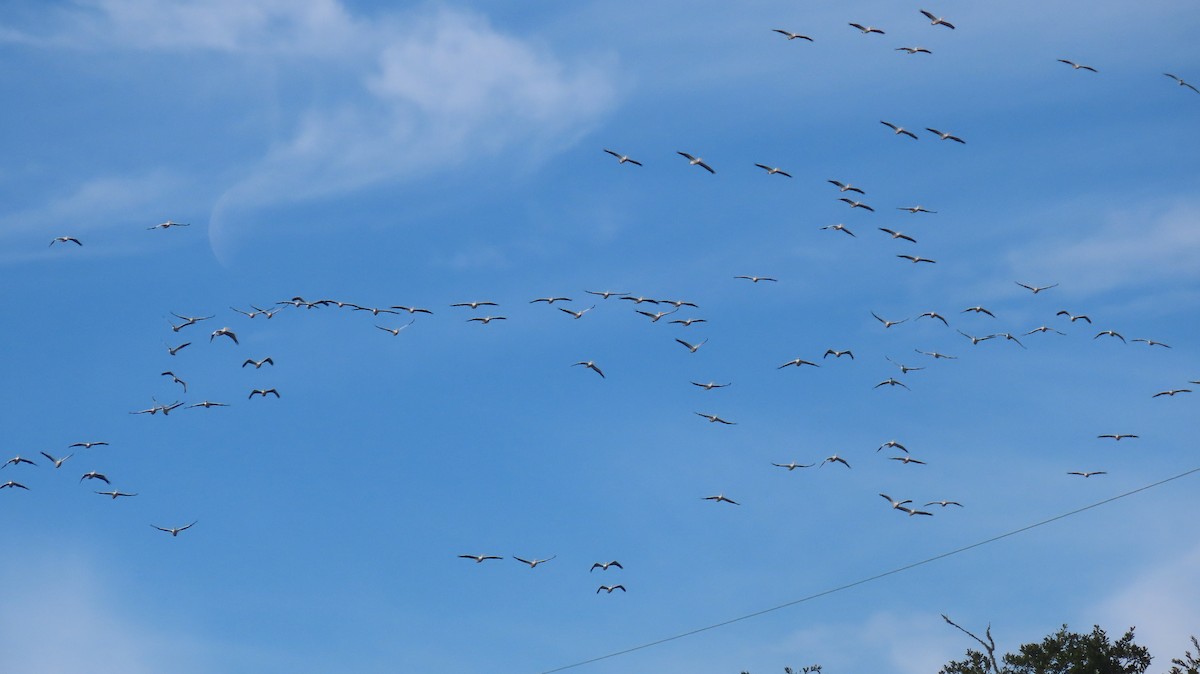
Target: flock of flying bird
x=636 y=302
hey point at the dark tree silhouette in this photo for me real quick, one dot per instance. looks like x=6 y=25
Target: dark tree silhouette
x=1063 y=652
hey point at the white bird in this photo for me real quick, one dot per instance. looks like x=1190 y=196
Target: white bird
x=917 y=258
x=835 y=459
x=534 y=562
x=857 y=204
x=550 y=300
x=712 y=418
x=915 y=209
x=945 y=503
x=622 y=159
x=487 y=319
x=605 y=294
x=936 y=355
x=13 y=485
x=791 y=36
x=610 y=588
x=57 y=462
x=169 y=224
x=978 y=310
x=176 y=379
x=867 y=29
x=896 y=505
x=93 y=475
x=937 y=20
x=115 y=494
x=797 y=362
x=899 y=130
x=793 y=465
x=891 y=381
x=914 y=50
x=591 y=365
x=263 y=392
x=897 y=235
x=266 y=361
x=1077 y=66
x=88 y=445
x=946 y=136
x=720 y=498
x=479 y=559
x=18 y=460
x=395 y=333
x=710 y=385
x=225 y=332
x=65 y=239
x=837 y=354
x=846 y=187
x=1117 y=436
x=174 y=531
x=1080 y=317
x=1150 y=342
x=654 y=317
x=839 y=228
x=887 y=323
x=577 y=314
x=1182 y=83
x=1035 y=289
x=688 y=322
x=1088 y=473
x=474 y=305
x=603 y=566
x=1110 y=333
x=772 y=170
x=756 y=279
x=907 y=460
x=893 y=445
x=692 y=347
x=934 y=314
x=696 y=161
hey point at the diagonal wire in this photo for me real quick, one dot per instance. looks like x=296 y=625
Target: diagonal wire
x=863 y=581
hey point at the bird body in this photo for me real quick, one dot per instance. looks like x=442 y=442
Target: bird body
x=591 y=365
x=534 y=562
x=263 y=392
x=479 y=559
x=610 y=588
x=720 y=498
x=937 y=20
x=174 y=531
x=712 y=418
x=603 y=566
x=791 y=36
x=696 y=161
x=621 y=159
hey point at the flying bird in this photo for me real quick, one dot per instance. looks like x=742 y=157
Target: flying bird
x=904 y=369
x=892 y=444
x=57 y=462
x=835 y=459
x=534 y=562
x=656 y=315
x=65 y=239
x=937 y=20
x=975 y=340
x=896 y=505
x=1035 y=289
x=891 y=381
x=603 y=566
x=414 y=310
x=1172 y=392
x=225 y=332
x=591 y=365
x=604 y=294
x=88 y=445
x=1077 y=66
x=935 y=354
x=696 y=161
x=1150 y=342
x=13 y=485
x=914 y=50
x=1110 y=333
x=93 y=475
x=906 y=459
x=263 y=392
x=915 y=209
x=978 y=310
x=710 y=385
x=917 y=258
x=550 y=300
x=479 y=559
x=712 y=418
x=887 y=323
x=267 y=361
x=688 y=322
x=790 y=35
x=174 y=350
x=899 y=130
x=837 y=354
x=1044 y=328
x=771 y=170
x=839 y=228
x=1117 y=436
x=1080 y=317
x=720 y=498
x=756 y=279
x=946 y=136
x=577 y=314
x=174 y=531
x=897 y=235
x=1087 y=473
x=207 y=404
x=169 y=224
x=934 y=314
x=621 y=159
x=867 y=29
x=793 y=465
x=610 y=588
x=637 y=300
x=176 y=379
x=692 y=347
x=115 y=494
x=476 y=305
x=846 y=187
x=945 y=503
x=857 y=204
x=797 y=362
x=1182 y=83
x=17 y=460
x=487 y=319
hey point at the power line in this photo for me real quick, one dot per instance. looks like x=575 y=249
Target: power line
x=863 y=581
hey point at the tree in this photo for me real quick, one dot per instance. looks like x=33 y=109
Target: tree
x=1189 y=663
x=1063 y=652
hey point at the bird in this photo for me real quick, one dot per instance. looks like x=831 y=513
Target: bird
x=115 y=494
x=1110 y=333
x=474 y=305
x=88 y=445
x=917 y=258
x=942 y=135
x=937 y=20
x=18 y=460
x=696 y=161
x=891 y=381
x=223 y=332
x=936 y=355
x=756 y=279
x=772 y=170
x=712 y=418
x=395 y=333
x=656 y=315
x=906 y=459
x=689 y=321
x=621 y=159
x=912 y=512
x=1080 y=317
x=1077 y=66
x=1117 y=436
x=867 y=29
x=934 y=314
x=692 y=347
x=893 y=445
x=591 y=365
x=174 y=531
x=267 y=361
x=208 y=403
x=797 y=362
x=945 y=503
x=839 y=228
x=835 y=459
x=1172 y=392
x=65 y=239
x=1150 y=342
x=610 y=588
x=793 y=465
x=414 y=310
x=577 y=314
x=534 y=562
x=837 y=354
x=857 y=204
x=174 y=350
x=904 y=369
x=887 y=323
x=915 y=209
x=176 y=379
x=479 y=559
x=899 y=130
x=13 y=485
x=1088 y=473
x=169 y=224
x=845 y=187
x=978 y=310
x=720 y=498
x=604 y=294
x=1182 y=83
x=57 y=462
x=187 y=320
x=637 y=300
x=1009 y=337
x=263 y=392
x=1035 y=289
x=1044 y=328
x=897 y=235
x=375 y=311
x=710 y=385
x=974 y=339
x=896 y=505
x=251 y=314
x=790 y=35
x=487 y=319
x=914 y=50
x=678 y=304
x=550 y=300
x=603 y=566
x=93 y=475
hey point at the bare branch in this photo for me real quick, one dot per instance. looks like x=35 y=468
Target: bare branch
x=989 y=646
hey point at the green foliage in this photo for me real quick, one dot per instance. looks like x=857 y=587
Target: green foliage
x=1189 y=663
x=1063 y=652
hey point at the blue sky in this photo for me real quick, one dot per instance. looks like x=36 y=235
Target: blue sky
x=439 y=153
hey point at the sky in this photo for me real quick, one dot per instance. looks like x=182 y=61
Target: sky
x=429 y=154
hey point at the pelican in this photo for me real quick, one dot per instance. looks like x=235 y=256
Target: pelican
x=474 y=305
x=1150 y=342
x=912 y=512
x=414 y=310
x=17 y=460
x=837 y=354
x=479 y=559
x=263 y=392
x=1077 y=66
x=610 y=588
x=174 y=531
x=899 y=130
x=57 y=462
x=897 y=235
x=712 y=418
x=88 y=445
x=719 y=498
x=534 y=562
x=906 y=459
x=793 y=465
x=914 y=50
x=605 y=294
x=857 y=204
x=904 y=369
x=1117 y=436
x=935 y=354
x=696 y=161
x=621 y=159
x=550 y=300
x=223 y=332
x=1088 y=473
x=896 y=505
x=115 y=494
x=887 y=323
x=710 y=385
x=1035 y=289
x=637 y=300
x=845 y=187
x=1110 y=333
x=934 y=314
x=772 y=170
x=65 y=239
x=13 y=485
x=978 y=310
x=945 y=503
x=603 y=566
x=169 y=224
x=176 y=379
x=975 y=340
x=591 y=365
x=891 y=381
x=1172 y=392
x=577 y=314
x=174 y=350
x=1044 y=328
x=207 y=404
x=680 y=303
x=487 y=319
x=791 y=36
x=839 y=228
x=266 y=361
x=915 y=209
x=937 y=20
x=895 y=445
x=375 y=311
x=797 y=362
x=395 y=333
x=756 y=279
x=692 y=347
x=656 y=315
x=867 y=29
x=93 y=475
x=834 y=459
x=917 y=258
x=1010 y=338
x=943 y=135
x=1182 y=83
x=688 y=322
